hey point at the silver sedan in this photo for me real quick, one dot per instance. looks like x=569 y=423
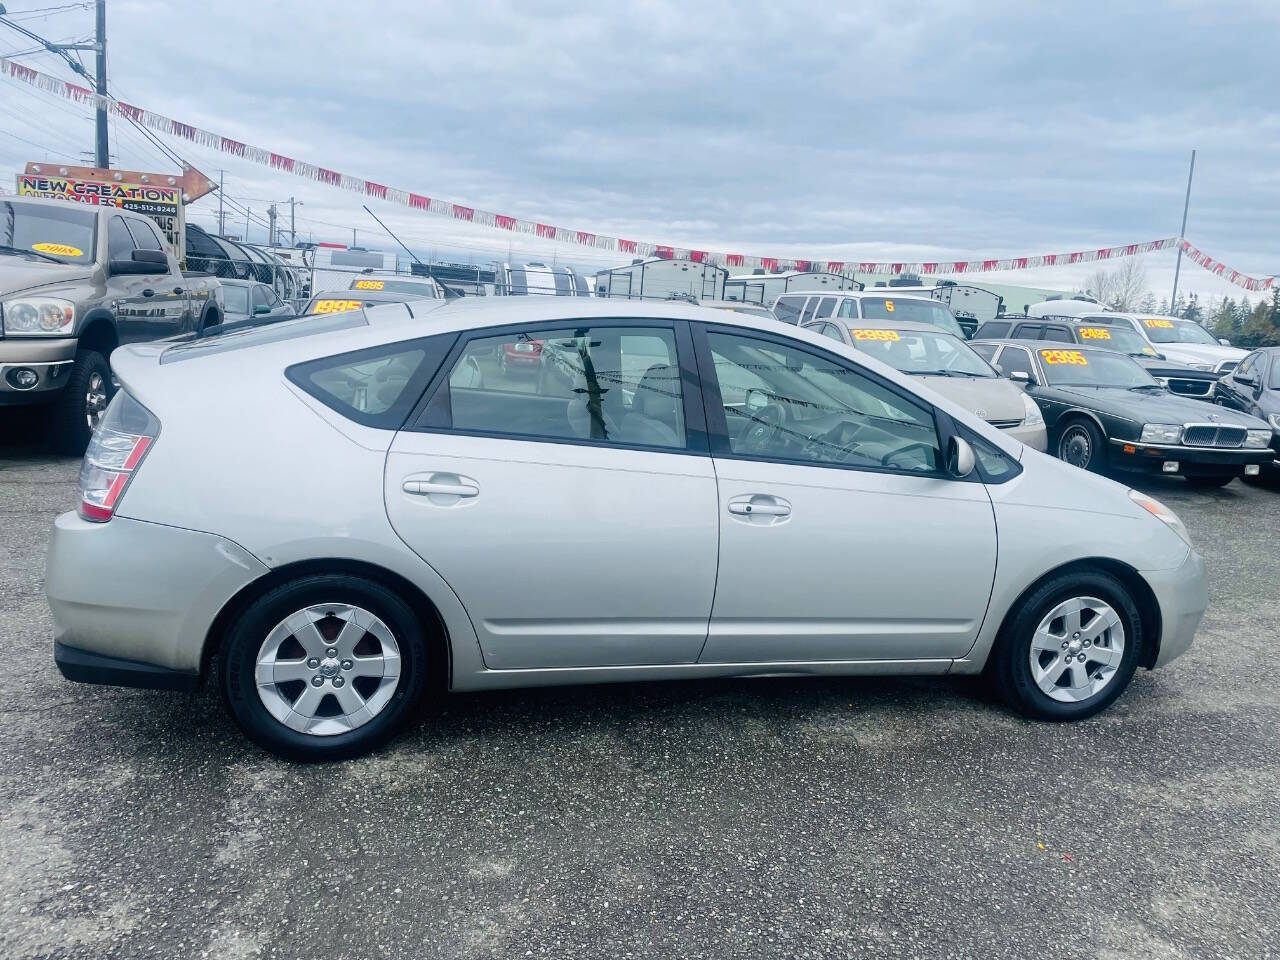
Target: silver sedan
x=549 y=491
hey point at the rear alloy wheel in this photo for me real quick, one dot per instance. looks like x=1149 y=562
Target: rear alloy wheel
x=324 y=667
x=1070 y=648
x=1081 y=445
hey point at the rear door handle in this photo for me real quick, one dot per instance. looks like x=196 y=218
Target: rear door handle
x=441 y=488
x=760 y=508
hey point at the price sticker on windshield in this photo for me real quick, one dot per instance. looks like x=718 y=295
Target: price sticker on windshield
x=1158 y=324
x=1074 y=357
x=1095 y=333
x=336 y=306
x=888 y=336
x=368 y=285
x=58 y=249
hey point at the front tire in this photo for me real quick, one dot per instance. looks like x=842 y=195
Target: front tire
x=83 y=401
x=1081 y=444
x=1070 y=648
x=324 y=667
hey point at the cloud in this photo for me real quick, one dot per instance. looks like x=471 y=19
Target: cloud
x=923 y=130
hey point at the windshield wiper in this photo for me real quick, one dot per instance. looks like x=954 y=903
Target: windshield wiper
x=1147 y=386
x=948 y=373
x=5 y=248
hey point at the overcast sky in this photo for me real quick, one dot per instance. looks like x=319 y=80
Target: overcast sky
x=937 y=132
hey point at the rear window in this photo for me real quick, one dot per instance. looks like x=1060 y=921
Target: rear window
x=377 y=386
x=254 y=336
x=421 y=288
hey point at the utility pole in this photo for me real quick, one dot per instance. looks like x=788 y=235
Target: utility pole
x=104 y=156
x=1182 y=233
x=222 y=217
x=293 y=225
x=271 y=230
x=353 y=237
x=248 y=211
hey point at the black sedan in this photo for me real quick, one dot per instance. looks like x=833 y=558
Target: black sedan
x=1102 y=410
x=1254 y=388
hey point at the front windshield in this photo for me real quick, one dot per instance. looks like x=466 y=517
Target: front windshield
x=1167 y=330
x=1122 y=339
x=911 y=311
x=235 y=298
x=921 y=352
x=65 y=233
x=1092 y=368
x=425 y=289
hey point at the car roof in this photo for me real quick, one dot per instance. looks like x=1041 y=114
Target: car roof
x=1044 y=344
x=913 y=326
x=232 y=282
x=856 y=294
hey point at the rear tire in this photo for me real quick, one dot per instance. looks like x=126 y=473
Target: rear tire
x=300 y=667
x=1081 y=444
x=1036 y=665
x=80 y=406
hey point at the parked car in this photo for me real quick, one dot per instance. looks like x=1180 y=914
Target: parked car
x=341 y=301
x=946 y=364
x=1254 y=388
x=750 y=309
x=713 y=497
x=422 y=288
x=1103 y=411
x=76 y=281
x=800 y=308
x=1177 y=339
x=1180 y=378
x=248 y=302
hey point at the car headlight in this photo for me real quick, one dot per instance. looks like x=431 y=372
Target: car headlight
x=38 y=316
x=1162 y=513
x=1274 y=420
x=1258 y=439
x=1162 y=433
x=1032 y=417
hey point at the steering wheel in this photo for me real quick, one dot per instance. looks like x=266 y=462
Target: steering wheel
x=888 y=459
x=764 y=435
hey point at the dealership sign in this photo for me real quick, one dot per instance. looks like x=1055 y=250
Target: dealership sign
x=160 y=196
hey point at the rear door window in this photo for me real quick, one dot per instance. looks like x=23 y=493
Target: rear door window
x=1058 y=333
x=787 y=309
x=825 y=307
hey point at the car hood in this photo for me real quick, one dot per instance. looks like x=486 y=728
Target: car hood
x=1213 y=353
x=1149 y=406
x=18 y=274
x=991 y=398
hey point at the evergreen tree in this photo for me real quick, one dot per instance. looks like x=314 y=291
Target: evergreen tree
x=1148 y=303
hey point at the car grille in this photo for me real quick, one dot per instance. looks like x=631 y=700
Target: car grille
x=1004 y=424
x=1213 y=435
x=1190 y=388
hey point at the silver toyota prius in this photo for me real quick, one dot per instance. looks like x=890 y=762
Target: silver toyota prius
x=544 y=490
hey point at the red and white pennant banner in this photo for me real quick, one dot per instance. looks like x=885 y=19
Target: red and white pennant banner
x=630 y=248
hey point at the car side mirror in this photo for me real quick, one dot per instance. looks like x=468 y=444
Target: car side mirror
x=960 y=459
x=468 y=375
x=1020 y=376
x=1224 y=341
x=261 y=309
x=755 y=400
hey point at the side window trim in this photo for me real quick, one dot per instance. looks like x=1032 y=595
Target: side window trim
x=718 y=428
x=432 y=412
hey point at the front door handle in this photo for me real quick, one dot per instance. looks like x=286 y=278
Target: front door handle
x=441 y=488
x=760 y=508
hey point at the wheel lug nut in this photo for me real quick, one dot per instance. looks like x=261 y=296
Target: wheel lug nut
x=313 y=663
x=347 y=664
x=1088 y=643
x=333 y=653
x=1065 y=644
x=338 y=681
x=317 y=681
x=1076 y=635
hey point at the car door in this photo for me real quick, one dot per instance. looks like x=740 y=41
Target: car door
x=124 y=290
x=570 y=503
x=167 y=303
x=840 y=536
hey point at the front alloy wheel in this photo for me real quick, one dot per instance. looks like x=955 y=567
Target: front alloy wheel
x=1076 y=649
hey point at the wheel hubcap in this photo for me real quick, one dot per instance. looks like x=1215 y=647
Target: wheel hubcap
x=1077 y=649
x=1075 y=447
x=328 y=669
x=95 y=400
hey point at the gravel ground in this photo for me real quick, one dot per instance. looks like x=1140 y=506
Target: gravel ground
x=761 y=818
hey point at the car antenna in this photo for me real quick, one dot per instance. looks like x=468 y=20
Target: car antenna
x=395 y=238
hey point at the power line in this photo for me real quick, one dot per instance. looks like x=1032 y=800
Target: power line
x=31 y=143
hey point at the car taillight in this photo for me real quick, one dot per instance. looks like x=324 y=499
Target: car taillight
x=128 y=430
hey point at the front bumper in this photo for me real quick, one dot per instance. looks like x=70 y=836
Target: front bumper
x=1191 y=461
x=51 y=360
x=1182 y=594
x=127 y=590
x=1035 y=437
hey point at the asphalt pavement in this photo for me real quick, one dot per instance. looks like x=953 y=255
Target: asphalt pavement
x=724 y=819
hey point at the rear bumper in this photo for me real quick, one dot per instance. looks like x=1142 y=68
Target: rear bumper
x=84 y=666
x=1182 y=595
x=130 y=597
x=1191 y=461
